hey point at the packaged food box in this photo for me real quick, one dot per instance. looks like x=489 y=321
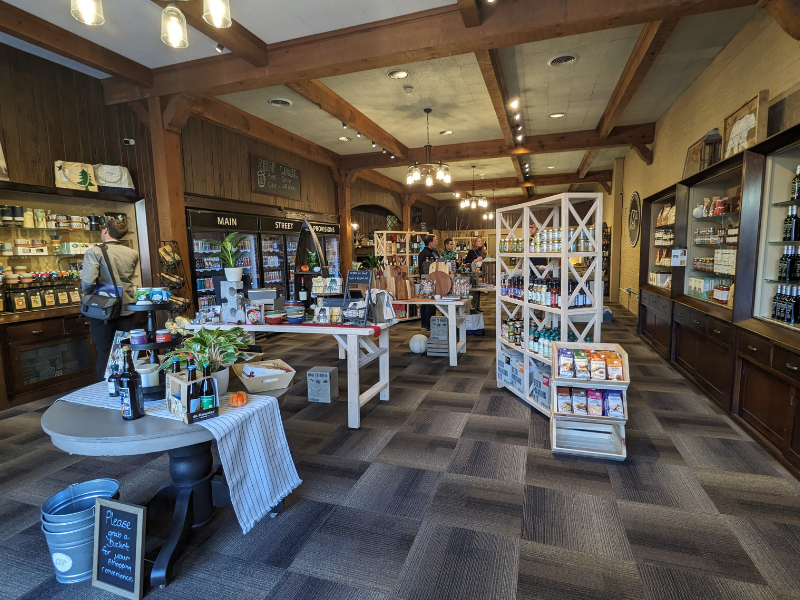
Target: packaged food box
x=594 y=402
x=598 y=366
x=612 y=404
x=579 y=402
x=564 y=400
x=566 y=363
x=582 y=365
x=614 y=369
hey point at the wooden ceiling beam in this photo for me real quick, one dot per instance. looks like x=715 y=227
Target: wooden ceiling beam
x=494 y=78
x=230 y=117
x=572 y=178
x=649 y=44
x=535 y=144
x=326 y=99
x=786 y=13
x=586 y=162
x=235 y=38
x=498 y=201
x=470 y=12
x=421 y=36
x=29 y=28
x=383 y=181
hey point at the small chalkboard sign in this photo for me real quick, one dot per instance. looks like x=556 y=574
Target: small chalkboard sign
x=275 y=179
x=119 y=547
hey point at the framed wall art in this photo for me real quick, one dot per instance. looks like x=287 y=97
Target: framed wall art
x=746 y=126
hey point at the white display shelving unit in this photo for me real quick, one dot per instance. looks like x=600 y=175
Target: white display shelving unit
x=589 y=435
x=514 y=223
x=387 y=248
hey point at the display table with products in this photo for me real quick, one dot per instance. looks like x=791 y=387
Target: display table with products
x=355 y=343
x=83 y=423
x=456 y=313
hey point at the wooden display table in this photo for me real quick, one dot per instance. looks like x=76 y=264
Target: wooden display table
x=355 y=344
x=455 y=312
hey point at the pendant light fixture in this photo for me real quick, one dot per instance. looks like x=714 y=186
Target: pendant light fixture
x=489 y=215
x=217 y=13
x=173 y=27
x=428 y=169
x=89 y=12
x=474 y=200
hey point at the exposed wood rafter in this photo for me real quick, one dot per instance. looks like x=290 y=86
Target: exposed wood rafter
x=27 y=27
x=586 y=162
x=141 y=112
x=470 y=12
x=645 y=153
x=786 y=13
x=235 y=38
x=434 y=33
x=177 y=112
x=336 y=106
x=492 y=71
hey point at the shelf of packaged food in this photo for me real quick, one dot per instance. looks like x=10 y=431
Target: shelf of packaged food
x=716 y=217
x=205 y=291
x=709 y=301
x=273 y=268
x=206 y=251
x=58 y=230
x=719 y=245
x=512 y=300
x=203 y=270
x=784 y=243
x=605 y=384
x=660 y=269
x=535 y=355
x=663 y=245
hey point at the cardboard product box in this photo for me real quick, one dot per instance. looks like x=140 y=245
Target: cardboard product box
x=541 y=386
x=323 y=384
x=264 y=383
x=177 y=398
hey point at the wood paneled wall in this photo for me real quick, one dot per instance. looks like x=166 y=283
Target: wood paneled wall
x=216 y=163
x=365 y=193
x=370 y=218
x=428 y=215
x=49 y=112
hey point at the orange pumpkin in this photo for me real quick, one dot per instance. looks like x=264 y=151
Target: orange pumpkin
x=304 y=268
x=238 y=399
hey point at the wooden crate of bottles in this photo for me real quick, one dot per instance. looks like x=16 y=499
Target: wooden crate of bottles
x=177 y=399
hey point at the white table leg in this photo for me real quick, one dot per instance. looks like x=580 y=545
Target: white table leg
x=462 y=328
x=451 y=334
x=353 y=383
x=342 y=352
x=383 y=362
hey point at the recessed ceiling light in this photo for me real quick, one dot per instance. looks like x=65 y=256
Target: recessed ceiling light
x=280 y=102
x=344 y=138
x=482 y=175
x=398 y=74
x=446 y=132
x=519 y=138
x=515 y=104
x=558 y=115
x=517 y=116
x=551 y=167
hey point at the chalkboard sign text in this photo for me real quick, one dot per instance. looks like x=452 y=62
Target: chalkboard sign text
x=275 y=179
x=119 y=547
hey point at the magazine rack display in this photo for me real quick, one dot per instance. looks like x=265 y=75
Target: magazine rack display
x=549 y=271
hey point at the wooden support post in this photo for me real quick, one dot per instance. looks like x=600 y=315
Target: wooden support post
x=168 y=172
x=407 y=200
x=344 y=178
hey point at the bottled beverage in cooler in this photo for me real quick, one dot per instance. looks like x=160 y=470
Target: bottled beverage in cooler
x=794 y=189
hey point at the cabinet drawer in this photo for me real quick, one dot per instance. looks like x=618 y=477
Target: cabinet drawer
x=755 y=348
x=645 y=297
x=25 y=333
x=719 y=331
x=698 y=320
x=76 y=325
x=786 y=363
x=664 y=304
x=682 y=314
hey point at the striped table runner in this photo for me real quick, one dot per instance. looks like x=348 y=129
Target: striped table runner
x=252 y=447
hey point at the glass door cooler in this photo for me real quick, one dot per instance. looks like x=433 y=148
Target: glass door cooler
x=248 y=259
x=206 y=266
x=273 y=261
x=331 y=245
x=291 y=253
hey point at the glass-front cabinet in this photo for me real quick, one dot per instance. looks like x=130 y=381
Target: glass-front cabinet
x=662 y=239
x=712 y=238
x=778 y=297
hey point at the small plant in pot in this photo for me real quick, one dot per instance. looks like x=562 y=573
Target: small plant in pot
x=229 y=254
x=220 y=348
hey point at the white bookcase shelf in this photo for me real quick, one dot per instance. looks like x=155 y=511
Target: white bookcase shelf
x=577 y=219
x=386 y=247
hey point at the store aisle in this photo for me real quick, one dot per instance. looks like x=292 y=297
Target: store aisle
x=450 y=491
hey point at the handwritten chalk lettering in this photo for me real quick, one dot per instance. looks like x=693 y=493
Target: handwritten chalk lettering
x=113 y=573
x=115 y=522
x=275 y=179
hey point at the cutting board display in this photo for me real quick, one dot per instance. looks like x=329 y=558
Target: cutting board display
x=443 y=282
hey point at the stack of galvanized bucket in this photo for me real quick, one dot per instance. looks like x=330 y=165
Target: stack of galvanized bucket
x=68 y=525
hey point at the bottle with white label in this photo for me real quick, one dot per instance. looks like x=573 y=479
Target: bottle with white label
x=303 y=291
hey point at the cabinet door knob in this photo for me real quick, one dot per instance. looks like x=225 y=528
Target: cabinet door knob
x=35 y=331
x=698 y=322
x=717 y=331
x=791 y=366
x=753 y=348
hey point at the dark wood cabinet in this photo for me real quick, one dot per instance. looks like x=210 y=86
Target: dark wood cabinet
x=686 y=346
x=714 y=370
x=656 y=321
x=765 y=402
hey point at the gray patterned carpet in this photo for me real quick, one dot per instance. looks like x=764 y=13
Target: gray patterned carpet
x=450 y=491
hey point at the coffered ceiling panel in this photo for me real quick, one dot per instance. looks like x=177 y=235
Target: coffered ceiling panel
x=580 y=89
x=301 y=118
x=491 y=168
x=561 y=162
x=693 y=45
x=453 y=87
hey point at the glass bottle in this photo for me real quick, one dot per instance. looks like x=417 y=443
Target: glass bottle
x=207 y=397
x=113 y=381
x=176 y=365
x=192 y=393
x=130 y=388
x=794 y=188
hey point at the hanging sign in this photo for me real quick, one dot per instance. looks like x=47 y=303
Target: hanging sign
x=634 y=219
x=119 y=547
x=274 y=179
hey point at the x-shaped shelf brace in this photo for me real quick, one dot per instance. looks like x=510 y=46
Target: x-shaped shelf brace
x=583 y=281
x=589 y=325
x=511 y=235
x=509 y=313
x=551 y=266
x=581 y=227
x=508 y=269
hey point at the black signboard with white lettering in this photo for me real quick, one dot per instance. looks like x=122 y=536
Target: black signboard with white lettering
x=276 y=224
x=274 y=179
x=325 y=228
x=119 y=547
x=229 y=221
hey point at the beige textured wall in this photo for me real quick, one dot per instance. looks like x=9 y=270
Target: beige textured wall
x=761 y=57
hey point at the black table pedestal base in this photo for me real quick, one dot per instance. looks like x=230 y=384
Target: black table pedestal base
x=191 y=497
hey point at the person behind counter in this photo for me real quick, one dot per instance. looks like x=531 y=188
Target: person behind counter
x=429 y=252
x=475 y=255
x=95 y=272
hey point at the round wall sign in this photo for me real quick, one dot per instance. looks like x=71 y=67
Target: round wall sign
x=635 y=219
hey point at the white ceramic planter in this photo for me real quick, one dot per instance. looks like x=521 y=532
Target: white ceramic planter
x=223 y=379
x=233 y=273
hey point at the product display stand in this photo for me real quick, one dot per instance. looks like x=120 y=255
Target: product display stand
x=576 y=219
x=398 y=253
x=589 y=435
x=172 y=275
x=152 y=345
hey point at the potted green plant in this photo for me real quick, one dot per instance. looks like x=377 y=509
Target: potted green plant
x=228 y=254
x=218 y=347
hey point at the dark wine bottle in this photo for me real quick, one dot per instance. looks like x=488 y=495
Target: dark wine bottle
x=130 y=388
x=176 y=365
x=794 y=189
x=207 y=399
x=113 y=381
x=192 y=392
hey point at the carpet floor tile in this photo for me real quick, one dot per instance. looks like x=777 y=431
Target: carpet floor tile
x=294 y=586
x=666 y=583
x=502 y=430
x=753 y=496
x=436 y=422
x=724 y=454
x=394 y=490
x=568 y=473
x=418 y=451
x=490 y=460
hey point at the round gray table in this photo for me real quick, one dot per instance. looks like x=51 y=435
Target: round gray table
x=194 y=490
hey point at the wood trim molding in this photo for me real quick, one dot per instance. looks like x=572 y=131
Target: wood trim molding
x=786 y=13
x=177 y=112
x=326 y=99
x=420 y=36
x=30 y=28
x=235 y=38
x=470 y=12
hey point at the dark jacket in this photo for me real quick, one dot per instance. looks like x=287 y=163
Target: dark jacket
x=471 y=256
x=427 y=253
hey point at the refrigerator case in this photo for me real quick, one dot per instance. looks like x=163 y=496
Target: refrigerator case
x=331 y=245
x=204 y=266
x=273 y=261
x=291 y=253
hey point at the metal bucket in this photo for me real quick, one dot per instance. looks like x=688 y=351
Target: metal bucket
x=67 y=527
x=77 y=501
x=71 y=553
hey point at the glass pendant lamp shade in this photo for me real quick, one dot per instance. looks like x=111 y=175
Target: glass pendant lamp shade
x=447 y=178
x=473 y=204
x=173 y=27
x=416 y=174
x=429 y=180
x=88 y=11
x=217 y=13
x=410 y=179
x=485 y=216
x=491 y=216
